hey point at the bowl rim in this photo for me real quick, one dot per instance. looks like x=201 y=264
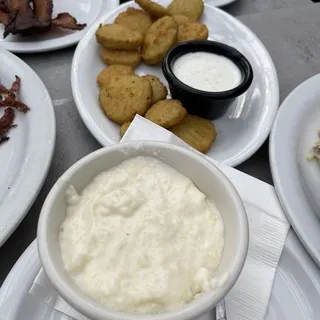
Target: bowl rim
x=94 y=310
x=208 y=46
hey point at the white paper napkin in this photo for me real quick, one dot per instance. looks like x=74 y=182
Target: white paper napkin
x=248 y=300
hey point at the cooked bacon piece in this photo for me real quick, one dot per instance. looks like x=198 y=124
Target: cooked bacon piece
x=16 y=85
x=67 y=21
x=43 y=11
x=4 y=17
x=6 y=121
x=21 y=18
x=13 y=103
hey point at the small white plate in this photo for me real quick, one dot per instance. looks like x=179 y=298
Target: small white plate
x=85 y=11
x=297 y=180
x=296 y=288
x=24 y=159
x=240 y=132
x=218 y=3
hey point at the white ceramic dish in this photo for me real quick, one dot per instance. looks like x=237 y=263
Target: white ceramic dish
x=218 y=3
x=240 y=132
x=85 y=11
x=25 y=159
x=203 y=174
x=295 y=294
x=297 y=180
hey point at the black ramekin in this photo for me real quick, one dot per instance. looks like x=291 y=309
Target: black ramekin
x=210 y=105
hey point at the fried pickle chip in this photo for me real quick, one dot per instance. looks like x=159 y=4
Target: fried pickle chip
x=159 y=90
x=111 y=72
x=155 y=10
x=166 y=113
x=128 y=58
x=189 y=8
x=124 y=97
x=197 y=132
x=124 y=128
x=134 y=19
x=118 y=37
x=192 y=31
x=179 y=19
x=160 y=37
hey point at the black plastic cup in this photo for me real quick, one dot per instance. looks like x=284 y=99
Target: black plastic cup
x=205 y=104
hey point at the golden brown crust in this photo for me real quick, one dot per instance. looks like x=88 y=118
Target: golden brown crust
x=199 y=133
x=160 y=37
x=159 y=90
x=155 y=10
x=118 y=37
x=192 y=31
x=128 y=58
x=111 y=72
x=134 y=19
x=124 y=97
x=189 y=8
x=166 y=113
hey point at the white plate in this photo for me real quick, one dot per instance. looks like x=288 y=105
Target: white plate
x=240 y=132
x=85 y=11
x=296 y=289
x=297 y=180
x=26 y=157
x=219 y=3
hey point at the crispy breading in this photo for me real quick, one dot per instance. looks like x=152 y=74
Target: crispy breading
x=166 y=113
x=159 y=90
x=134 y=19
x=128 y=58
x=111 y=72
x=192 y=31
x=124 y=128
x=155 y=10
x=199 y=133
x=118 y=37
x=124 y=97
x=160 y=37
x=179 y=18
x=189 y=8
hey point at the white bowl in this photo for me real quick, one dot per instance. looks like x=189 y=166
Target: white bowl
x=208 y=178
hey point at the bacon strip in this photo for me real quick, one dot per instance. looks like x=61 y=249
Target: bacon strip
x=43 y=11
x=4 y=17
x=6 y=121
x=67 y=21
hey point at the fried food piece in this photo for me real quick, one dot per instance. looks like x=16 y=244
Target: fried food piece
x=197 y=132
x=128 y=58
x=134 y=19
x=118 y=37
x=159 y=90
x=111 y=72
x=189 y=8
x=160 y=37
x=155 y=10
x=124 y=97
x=166 y=113
x=179 y=19
x=124 y=128
x=192 y=31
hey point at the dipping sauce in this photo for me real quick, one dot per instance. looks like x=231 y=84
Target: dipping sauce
x=141 y=238
x=207 y=71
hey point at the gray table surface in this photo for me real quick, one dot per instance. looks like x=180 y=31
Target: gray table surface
x=288 y=28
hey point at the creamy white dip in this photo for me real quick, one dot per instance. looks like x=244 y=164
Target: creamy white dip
x=141 y=238
x=207 y=71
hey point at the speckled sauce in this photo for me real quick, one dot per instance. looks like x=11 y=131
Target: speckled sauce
x=207 y=71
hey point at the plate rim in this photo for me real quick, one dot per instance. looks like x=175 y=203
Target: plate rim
x=16 y=47
x=277 y=176
x=253 y=146
x=39 y=180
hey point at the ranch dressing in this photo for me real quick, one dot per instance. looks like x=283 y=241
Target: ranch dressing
x=141 y=238
x=207 y=71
